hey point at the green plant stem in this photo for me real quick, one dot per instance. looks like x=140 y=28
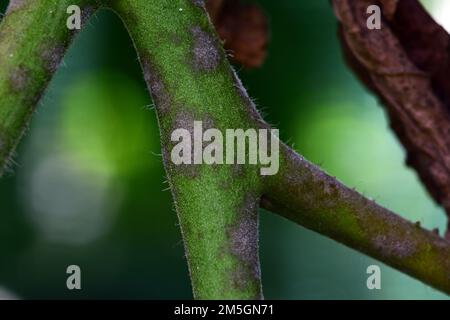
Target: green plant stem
x=190 y=79
x=306 y=195
x=33 y=40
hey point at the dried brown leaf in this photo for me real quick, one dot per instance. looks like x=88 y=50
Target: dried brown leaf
x=406 y=64
x=244 y=29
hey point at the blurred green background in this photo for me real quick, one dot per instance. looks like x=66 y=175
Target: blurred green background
x=88 y=186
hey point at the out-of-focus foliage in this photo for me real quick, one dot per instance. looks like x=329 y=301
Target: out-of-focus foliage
x=113 y=138
x=88 y=187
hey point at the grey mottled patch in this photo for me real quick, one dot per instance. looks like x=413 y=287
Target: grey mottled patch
x=199 y=3
x=156 y=86
x=397 y=240
x=244 y=241
x=185 y=120
x=393 y=246
x=53 y=56
x=19 y=79
x=16 y=4
x=208 y=122
x=86 y=14
x=206 y=50
x=165 y=156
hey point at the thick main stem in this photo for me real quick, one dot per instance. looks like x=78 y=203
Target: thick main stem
x=190 y=79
